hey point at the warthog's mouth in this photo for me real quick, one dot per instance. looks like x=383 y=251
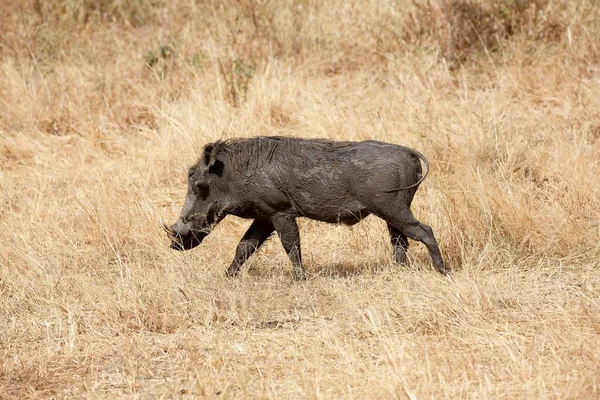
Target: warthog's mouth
x=183 y=237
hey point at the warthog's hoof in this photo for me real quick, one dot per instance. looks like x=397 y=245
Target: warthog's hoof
x=299 y=275
x=444 y=270
x=232 y=272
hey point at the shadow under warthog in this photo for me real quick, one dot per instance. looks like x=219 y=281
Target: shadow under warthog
x=345 y=269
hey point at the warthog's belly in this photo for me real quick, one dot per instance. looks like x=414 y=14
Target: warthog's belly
x=346 y=217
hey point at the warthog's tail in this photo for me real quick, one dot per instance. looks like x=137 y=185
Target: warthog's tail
x=417 y=183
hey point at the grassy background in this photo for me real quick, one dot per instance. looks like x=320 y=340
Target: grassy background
x=104 y=104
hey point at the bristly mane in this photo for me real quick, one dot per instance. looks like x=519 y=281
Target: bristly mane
x=244 y=152
x=249 y=153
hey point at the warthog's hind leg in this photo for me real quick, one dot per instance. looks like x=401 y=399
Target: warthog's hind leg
x=406 y=223
x=399 y=243
x=287 y=229
x=255 y=236
x=424 y=234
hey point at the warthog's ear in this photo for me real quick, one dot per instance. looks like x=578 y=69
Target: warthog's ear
x=210 y=155
x=217 y=168
x=214 y=165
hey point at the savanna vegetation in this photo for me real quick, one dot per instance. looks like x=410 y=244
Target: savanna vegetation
x=104 y=104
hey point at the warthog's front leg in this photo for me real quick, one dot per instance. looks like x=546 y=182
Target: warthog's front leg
x=287 y=229
x=257 y=233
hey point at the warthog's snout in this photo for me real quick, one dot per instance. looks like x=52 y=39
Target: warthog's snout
x=182 y=236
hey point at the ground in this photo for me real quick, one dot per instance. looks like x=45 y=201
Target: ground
x=106 y=105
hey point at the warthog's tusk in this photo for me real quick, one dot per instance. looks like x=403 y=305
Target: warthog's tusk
x=166 y=227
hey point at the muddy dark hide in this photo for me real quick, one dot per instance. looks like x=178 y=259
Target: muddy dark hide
x=274 y=180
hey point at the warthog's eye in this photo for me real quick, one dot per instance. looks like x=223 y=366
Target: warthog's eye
x=191 y=173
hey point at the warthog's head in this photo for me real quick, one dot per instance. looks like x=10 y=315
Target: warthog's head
x=203 y=203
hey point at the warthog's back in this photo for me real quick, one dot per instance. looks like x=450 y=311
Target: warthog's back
x=322 y=179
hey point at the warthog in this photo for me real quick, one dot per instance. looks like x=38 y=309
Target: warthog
x=274 y=180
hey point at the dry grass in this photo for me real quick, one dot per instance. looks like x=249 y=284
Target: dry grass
x=104 y=104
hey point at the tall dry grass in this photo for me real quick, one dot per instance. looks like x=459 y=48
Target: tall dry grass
x=104 y=104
